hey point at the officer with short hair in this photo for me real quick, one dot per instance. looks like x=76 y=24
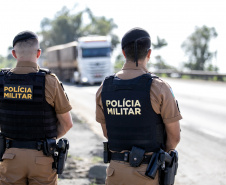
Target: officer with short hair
x=34 y=111
x=138 y=113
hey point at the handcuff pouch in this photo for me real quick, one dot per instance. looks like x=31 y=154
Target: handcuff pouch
x=136 y=156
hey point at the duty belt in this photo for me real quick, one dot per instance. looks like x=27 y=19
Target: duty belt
x=37 y=145
x=125 y=157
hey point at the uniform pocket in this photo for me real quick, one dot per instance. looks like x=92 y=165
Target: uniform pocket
x=5 y=164
x=110 y=171
x=44 y=164
x=43 y=160
x=140 y=171
x=111 y=179
x=8 y=156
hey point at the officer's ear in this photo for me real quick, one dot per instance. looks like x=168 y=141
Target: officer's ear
x=149 y=54
x=14 y=54
x=39 y=51
x=124 y=53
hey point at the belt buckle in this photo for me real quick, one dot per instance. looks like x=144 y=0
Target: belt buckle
x=126 y=156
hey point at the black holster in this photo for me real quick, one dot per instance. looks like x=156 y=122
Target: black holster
x=157 y=160
x=167 y=176
x=60 y=156
x=58 y=151
x=2 y=145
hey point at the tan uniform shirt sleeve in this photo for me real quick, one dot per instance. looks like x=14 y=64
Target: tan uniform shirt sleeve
x=163 y=101
x=99 y=107
x=55 y=95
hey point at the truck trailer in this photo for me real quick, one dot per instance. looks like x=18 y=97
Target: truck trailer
x=87 y=60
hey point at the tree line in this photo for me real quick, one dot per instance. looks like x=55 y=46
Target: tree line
x=196 y=47
x=67 y=26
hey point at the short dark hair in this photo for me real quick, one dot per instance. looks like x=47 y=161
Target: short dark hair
x=143 y=45
x=27 y=43
x=24 y=35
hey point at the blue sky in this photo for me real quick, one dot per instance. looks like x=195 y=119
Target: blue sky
x=172 y=20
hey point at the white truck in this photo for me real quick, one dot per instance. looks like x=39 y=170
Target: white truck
x=86 y=61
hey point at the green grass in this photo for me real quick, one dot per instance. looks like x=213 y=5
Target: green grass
x=186 y=77
x=164 y=75
x=94 y=182
x=77 y=158
x=96 y=159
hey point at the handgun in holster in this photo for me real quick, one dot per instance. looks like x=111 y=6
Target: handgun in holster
x=2 y=145
x=166 y=164
x=157 y=160
x=62 y=149
x=168 y=174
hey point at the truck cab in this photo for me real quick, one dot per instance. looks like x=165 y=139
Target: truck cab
x=94 y=59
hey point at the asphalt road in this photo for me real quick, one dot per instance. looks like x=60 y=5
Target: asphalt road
x=202 y=148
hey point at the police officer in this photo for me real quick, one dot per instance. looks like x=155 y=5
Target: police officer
x=136 y=110
x=33 y=108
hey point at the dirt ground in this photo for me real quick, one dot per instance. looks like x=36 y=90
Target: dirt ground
x=85 y=153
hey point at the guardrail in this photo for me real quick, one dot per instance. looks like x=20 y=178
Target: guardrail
x=205 y=75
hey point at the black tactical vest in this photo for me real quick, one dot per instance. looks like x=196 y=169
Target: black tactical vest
x=130 y=118
x=24 y=111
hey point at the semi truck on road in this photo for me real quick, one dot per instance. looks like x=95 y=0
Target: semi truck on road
x=87 y=60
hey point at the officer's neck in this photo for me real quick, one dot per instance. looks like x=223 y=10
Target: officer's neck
x=141 y=63
x=26 y=60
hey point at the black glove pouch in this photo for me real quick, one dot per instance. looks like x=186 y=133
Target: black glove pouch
x=136 y=156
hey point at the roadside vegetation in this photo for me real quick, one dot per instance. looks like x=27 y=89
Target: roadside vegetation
x=68 y=26
x=8 y=61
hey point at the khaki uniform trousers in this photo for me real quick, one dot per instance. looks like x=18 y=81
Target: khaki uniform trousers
x=121 y=173
x=26 y=166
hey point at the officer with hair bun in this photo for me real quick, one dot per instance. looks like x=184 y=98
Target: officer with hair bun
x=34 y=112
x=138 y=114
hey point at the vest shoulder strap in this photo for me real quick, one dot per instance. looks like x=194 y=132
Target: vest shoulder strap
x=152 y=75
x=47 y=71
x=107 y=82
x=44 y=70
x=110 y=77
x=4 y=70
